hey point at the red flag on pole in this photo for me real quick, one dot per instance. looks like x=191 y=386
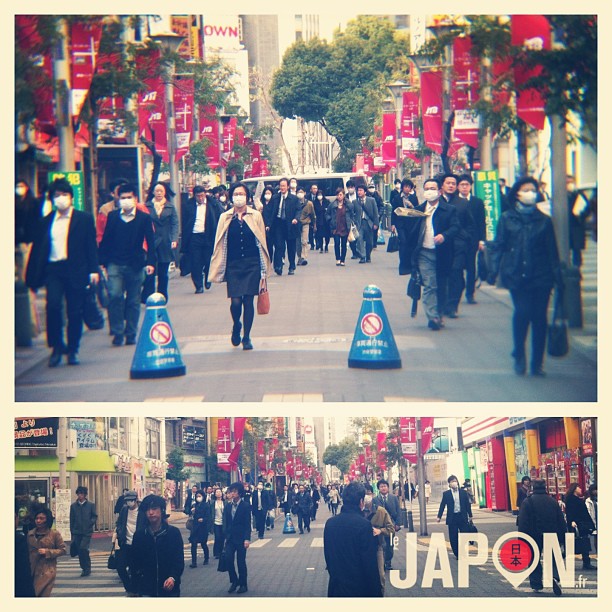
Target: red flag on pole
x=388 y=139
x=408 y=439
x=239 y=423
x=381 y=449
x=261 y=454
x=152 y=105
x=183 y=111
x=84 y=43
x=411 y=144
x=465 y=91
x=431 y=108
x=209 y=129
x=427 y=428
x=223 y=445
x=531 y=32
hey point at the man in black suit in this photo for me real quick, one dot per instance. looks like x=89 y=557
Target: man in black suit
x=458 y=512
x=126 y=261
x=479 y=233
x=198 y=235
x=350 y=549
x=391 y=504
x=367 y=223
x=434 y=251
x=303 y=502
x=64 y=258
x=284 y=226
x=237 y=523
x=261 y=502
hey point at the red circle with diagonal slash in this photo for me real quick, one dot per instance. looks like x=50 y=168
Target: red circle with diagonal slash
x=371 y=324
x=161 y=333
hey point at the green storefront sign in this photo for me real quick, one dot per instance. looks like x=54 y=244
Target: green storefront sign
x=487 y=189
x=76 y=181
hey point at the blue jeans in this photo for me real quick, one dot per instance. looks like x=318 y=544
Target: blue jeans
x=124 y=287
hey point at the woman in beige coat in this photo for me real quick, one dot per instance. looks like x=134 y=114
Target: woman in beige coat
x=45 y=545
x=240 y=258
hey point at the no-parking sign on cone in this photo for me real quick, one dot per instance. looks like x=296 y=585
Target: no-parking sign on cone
x=288 y=528
x=157 y=353
x=373 y=343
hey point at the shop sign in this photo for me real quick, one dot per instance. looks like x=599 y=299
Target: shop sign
x=36 y=432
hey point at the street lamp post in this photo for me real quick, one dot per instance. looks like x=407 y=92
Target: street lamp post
x=421 y=478
x=170 y=42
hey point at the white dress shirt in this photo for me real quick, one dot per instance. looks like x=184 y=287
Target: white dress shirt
x=428 y=239
x=59 y=236
x=200 y=220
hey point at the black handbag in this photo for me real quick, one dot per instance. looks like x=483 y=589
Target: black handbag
x=74 y=549
x=557 y=341
x=414 y=291
x=223 y=562
x=471 y=528
x=92 y=315
x=483 y=268
x=393 y=243
x=184 y=264
x=112 y=559
x=582 y=544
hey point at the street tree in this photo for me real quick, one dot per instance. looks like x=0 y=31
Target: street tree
x=341 y=455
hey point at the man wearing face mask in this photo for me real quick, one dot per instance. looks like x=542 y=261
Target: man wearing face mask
x=201 y=218
x=261 y=503
x=127 y=263
x=307 y=219
x=64 y=258
x=458 y=512
x=128 y=523
x=351 y=201
x=285 y=226
x=380 y=206
x=434 y=251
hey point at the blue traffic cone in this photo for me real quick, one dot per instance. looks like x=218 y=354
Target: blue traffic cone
x=157 y=353
x=373 y=343
x=288 y=527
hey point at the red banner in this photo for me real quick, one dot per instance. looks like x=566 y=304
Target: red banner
x=362 y=463
x=255 y=159
x=229 y=137
x=263 y=168
x=223 y=445
x=389 y=152
x=408 y=440
x=152 y=107
x=290 y=467
x=532 y=33
x=381 y=449
x=502 y=92
x=465 y=91
x=411 y=144
x=183 y=112
x=261 y=454
x=299 y=471
x=209 y=129
x=85 y=42
x=239 y=423
x=427 y=428
x=431 y=107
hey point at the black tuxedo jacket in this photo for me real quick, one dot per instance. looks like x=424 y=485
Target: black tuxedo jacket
x=444 y=222
x=237 y=529
x=143 y=231
x=213 y=211
x=82 y=251
x=292 y=211
x=449 y=503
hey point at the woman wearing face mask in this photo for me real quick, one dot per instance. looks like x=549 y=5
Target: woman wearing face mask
x=267 y=214
x=241 y=259
x=166 y=225
x=323 y=231
x=202 y=521
x=338 y=222
x=525 y=255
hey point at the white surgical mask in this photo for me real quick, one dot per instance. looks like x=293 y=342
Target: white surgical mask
x=198 y=498
x=267 y=196
x=61 y=202
x=21 y=191
x=319 y=197
x=239 y=200
x=222 y=199
x=293 y=186
x=431 y=195
x=131 y=503
x=300 y=196
x=528 y=198
x=126 y=203
x=371 y=189
x=351 y=190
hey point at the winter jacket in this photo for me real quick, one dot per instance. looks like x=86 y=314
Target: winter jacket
x=540 y=514
x=82 y=518
x=44 y=567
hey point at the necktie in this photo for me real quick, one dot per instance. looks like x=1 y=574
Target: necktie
x=282 y=206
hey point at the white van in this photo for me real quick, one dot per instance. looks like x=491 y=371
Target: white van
x=327 y=182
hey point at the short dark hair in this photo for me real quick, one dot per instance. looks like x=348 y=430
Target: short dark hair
x=46 y=511
x=407 y=183
x=382 y=481
x=446 y=175
x=396 y=181
x=300 y=188
x=62 y=185
x=235 y=186
x=156 y=501
x=518 y=184
x=368 y=488
x=126 y=188
x=116 y=182
x=238 y=487
x=539 y=484
x=433 y=179
x=350 y=183
x=81 y=489
x=465 y=177
x=198 y=189
x=525 y=479
x=285 y=179
x=451 y=478
x=353 y=494
x=361 y=186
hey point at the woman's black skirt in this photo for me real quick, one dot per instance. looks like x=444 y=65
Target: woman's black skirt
x=243 y=277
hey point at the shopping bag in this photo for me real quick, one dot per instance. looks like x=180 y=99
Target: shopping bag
x=393 y=244
x=263 y=299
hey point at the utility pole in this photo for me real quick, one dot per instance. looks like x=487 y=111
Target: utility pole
x=486 y=154
x=62 y=451
x=61 y=76
x=421 y=477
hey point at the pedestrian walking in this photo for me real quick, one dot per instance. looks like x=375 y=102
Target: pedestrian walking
x=127 y=263
x=334 y=500
x=540 y=514
x=523 y=493
x=525 y=256
x=338 y=220
x=458 y=512
x=198 y=235
x=267 y=212
x=271 y=516
x=380 y=207
x=323 y=228
x=130 y=521
x=24 y=585
x=303 y=502
x=427 y=488
x=261 y=503
x=405 y=226
x=83 y=517
x=45 y=545
x=350 y=549
x=64 y=260
x=382 y=528
x=284 y=226
x=591 y=504
x=391 y=504
x=316 y=499
x=237 y=522
x=201 y=513
x=579 y=521
x=284 y=500
x=578 y=211
x=367 y=223
x=158 y=555
x=218 y=506
x=307 y=218
x=241 y=259
x=166 y=223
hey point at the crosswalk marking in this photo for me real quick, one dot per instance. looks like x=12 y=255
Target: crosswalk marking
x=316 y=543
x=258 y=543
x=288 y=542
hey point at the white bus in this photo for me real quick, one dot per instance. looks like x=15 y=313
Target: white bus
x=327 y=182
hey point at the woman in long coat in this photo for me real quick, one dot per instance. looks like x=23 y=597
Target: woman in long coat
x=241 y=259
x=201 y=527
x=166 y=225
x=45 y=545
x=578 y=518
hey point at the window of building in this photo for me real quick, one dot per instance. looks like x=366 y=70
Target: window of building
x=117 y=432
x=152 y=436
